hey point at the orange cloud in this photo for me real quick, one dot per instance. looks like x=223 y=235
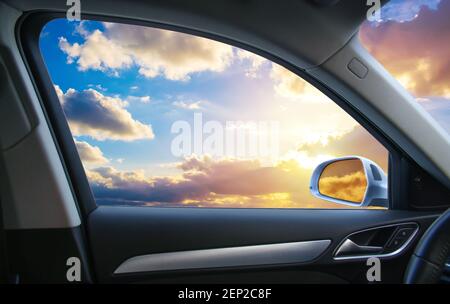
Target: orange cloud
x=206 y=182
x=416 y=52
x=228 y=182
x=90 y=155
x=350 y=187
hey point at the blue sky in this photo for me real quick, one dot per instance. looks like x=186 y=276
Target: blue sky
x=229 y=95
x=406 y=10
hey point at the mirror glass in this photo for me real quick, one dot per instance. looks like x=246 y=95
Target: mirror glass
x=344 y=180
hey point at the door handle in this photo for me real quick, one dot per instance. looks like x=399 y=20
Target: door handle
x=349 y=248
x=382 y=241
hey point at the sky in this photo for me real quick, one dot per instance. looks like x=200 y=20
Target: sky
x=130 y=93
x=415 y=48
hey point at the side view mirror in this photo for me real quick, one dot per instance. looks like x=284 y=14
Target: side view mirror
x=350 y=180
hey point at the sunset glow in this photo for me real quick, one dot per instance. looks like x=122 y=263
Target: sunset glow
x=123 y=87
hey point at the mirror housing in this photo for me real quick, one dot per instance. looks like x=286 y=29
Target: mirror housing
x=375 y=193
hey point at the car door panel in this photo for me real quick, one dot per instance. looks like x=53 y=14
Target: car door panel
x=168 y=235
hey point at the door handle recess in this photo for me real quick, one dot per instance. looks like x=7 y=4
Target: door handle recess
x=349 y=248
x=382 y=241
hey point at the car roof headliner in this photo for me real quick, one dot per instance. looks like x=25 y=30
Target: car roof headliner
x=304 y=33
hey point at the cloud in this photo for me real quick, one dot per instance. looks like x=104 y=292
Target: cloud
x=210 y=183
x=93 y=114
x=356 y=142
x=90 y=155
x=141 y=99
x=350 y=187
x=403 y=11
x=173 y=55
x=81 y=29
x=230 y=182
x=109 y=183
x=98 y=87
x=187 y=105
x=255 y=61
x=238 y=177
x=415 y=52
x=154 y=51
x=291 y=86
x=97 y=53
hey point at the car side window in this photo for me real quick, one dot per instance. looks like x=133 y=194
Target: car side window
x=167 y=119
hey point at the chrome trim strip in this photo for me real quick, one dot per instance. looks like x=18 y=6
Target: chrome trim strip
x=280 y=253
x=383 y=255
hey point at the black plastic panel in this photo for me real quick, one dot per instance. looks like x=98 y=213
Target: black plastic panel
x=40 y=255
x=118 y=233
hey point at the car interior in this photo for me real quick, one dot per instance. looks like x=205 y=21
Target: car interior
x=49 y=212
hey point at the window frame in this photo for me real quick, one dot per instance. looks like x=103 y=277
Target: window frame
x=28 y=31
